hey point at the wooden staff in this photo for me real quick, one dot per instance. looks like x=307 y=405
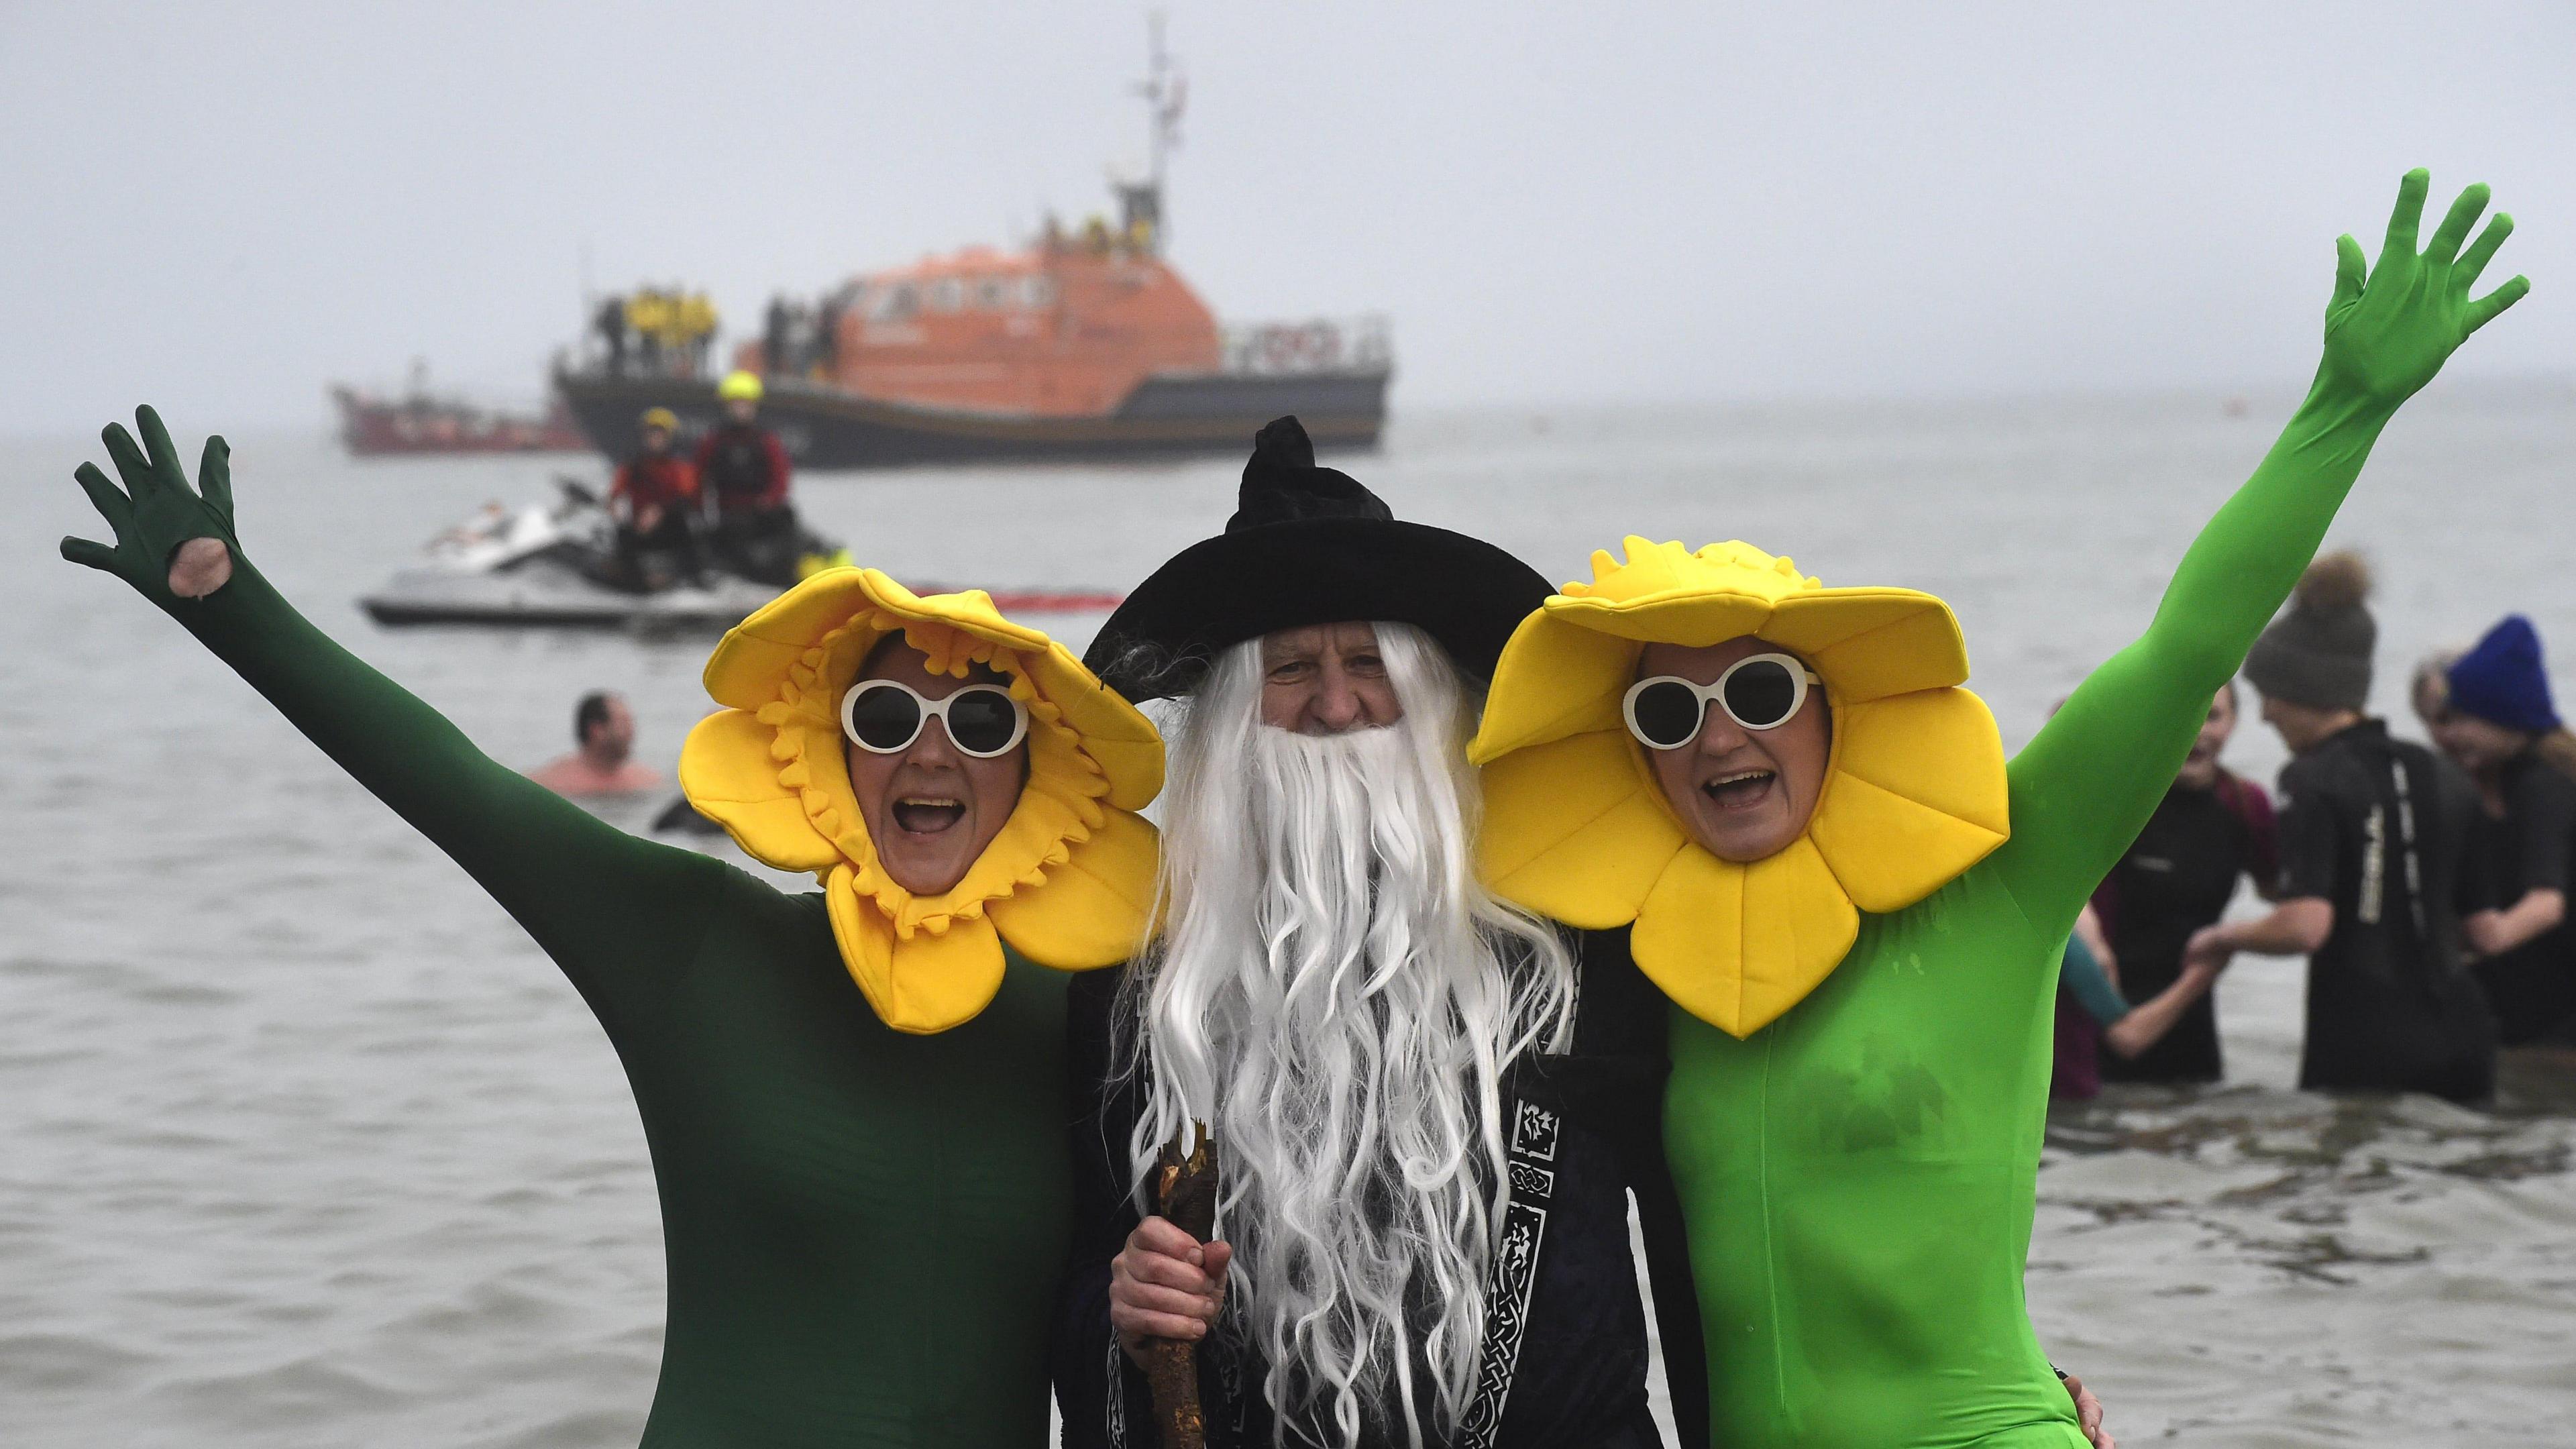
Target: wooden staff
x=1185 y=1190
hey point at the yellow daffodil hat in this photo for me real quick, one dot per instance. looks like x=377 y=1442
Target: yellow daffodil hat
x=1577 y=829
x=1068 y=882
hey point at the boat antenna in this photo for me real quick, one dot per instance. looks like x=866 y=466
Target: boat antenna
x=1165 y=92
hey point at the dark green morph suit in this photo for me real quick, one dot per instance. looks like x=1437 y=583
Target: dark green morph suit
x=864 y=1229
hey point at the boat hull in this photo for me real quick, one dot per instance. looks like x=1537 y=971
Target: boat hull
x=547 y=595
x=377 y=428
x=827 y=428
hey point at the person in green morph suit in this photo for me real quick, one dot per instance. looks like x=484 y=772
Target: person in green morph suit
x=1859 y=906
x=855 y=1100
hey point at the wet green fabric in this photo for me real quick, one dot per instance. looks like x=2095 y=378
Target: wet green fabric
x=1858 y=1177
x=864 y=1229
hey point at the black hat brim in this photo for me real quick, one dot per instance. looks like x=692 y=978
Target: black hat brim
x=1465 y=593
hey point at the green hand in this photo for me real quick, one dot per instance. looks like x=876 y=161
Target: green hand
x=2387 y=335
x=156 y=512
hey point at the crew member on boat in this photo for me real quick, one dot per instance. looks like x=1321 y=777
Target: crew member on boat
x=745 y=474
x=653 y=501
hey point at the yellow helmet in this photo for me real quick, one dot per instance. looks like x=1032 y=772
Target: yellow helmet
x=739 y=387
x=662 y=418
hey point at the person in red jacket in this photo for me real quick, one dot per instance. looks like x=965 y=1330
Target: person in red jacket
x=654 y=500
x=745 y=473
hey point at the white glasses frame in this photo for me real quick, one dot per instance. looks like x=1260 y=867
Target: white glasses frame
x=1800 y=676
x=933 y=709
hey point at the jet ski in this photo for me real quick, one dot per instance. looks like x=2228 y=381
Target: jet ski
x=557 y=564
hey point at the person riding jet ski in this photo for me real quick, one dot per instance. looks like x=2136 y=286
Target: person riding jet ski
x=745 y=474
x=654 y=499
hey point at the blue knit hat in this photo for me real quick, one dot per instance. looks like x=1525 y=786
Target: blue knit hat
x=2501 y=681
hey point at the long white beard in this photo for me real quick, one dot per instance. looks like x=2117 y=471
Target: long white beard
x=1337 y=996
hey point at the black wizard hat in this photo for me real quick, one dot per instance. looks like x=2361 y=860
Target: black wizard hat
x=1310 y=545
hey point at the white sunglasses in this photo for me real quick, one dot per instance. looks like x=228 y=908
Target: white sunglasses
x=1759 y=692
x=884 y=717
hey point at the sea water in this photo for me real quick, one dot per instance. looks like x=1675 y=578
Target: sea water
x=303 y=1143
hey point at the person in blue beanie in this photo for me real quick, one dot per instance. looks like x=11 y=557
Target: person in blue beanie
x=2496 y=713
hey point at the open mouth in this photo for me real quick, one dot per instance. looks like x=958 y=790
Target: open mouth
x=927 y=814
x=1739 y=789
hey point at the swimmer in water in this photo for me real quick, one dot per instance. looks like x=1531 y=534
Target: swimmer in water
x=604 y=728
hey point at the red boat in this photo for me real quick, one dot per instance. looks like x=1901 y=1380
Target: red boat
x=421 y=422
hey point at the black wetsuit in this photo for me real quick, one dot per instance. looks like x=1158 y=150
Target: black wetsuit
x=1580 y=1374
x=2367 y=823
x=2178 y=877
x=2533 y=986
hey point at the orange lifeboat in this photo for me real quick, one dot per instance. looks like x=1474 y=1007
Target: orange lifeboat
x=1085 y=344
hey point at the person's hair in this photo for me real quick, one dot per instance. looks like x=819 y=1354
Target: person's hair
x=2432 y=678
x=2558 y=747
x=1338 y=996
x=590 y=714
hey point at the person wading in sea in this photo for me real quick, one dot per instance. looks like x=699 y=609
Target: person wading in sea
x=1780 y=803
x=604 y=728
x=2493 y=718
x=2211 y=830
x=1429 y=1115
x=854 y=1098
x=2372 y=846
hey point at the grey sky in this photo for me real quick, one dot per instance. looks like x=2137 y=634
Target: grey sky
x=219 y=208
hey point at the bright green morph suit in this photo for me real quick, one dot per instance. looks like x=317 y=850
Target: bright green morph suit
x=864 y=1229
x=1858 y=1177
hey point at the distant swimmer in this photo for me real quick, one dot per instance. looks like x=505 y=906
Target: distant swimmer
x=604 y=728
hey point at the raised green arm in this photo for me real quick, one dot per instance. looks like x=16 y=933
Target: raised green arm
x=2085 y=785
x=615 y=912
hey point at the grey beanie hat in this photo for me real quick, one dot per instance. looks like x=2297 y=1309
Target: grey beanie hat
x=2318 y=652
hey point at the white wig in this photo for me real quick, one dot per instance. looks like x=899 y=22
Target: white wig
x=1337 y=996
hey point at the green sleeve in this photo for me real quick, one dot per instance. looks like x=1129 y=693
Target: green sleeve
x=617 y=913
x=2084 y=787
x=614 y=911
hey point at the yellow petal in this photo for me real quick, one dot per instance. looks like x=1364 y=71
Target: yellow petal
x=1093 y=909
x=1872 y=643
x=1575 y=830
x=1738 y=945
x=923 y=985
x=1555 y=679
x=1918 y=796
x=727 y=772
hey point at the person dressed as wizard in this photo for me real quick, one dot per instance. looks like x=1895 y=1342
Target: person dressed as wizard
x=1777 y=800
x=1426 y=1129
x=854 y=1099
x=1429 y=1115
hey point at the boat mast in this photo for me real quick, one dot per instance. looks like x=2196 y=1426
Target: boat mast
x=1164 y=92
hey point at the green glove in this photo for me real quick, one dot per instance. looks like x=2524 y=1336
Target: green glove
x=156 y=511
x=2387 y=335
